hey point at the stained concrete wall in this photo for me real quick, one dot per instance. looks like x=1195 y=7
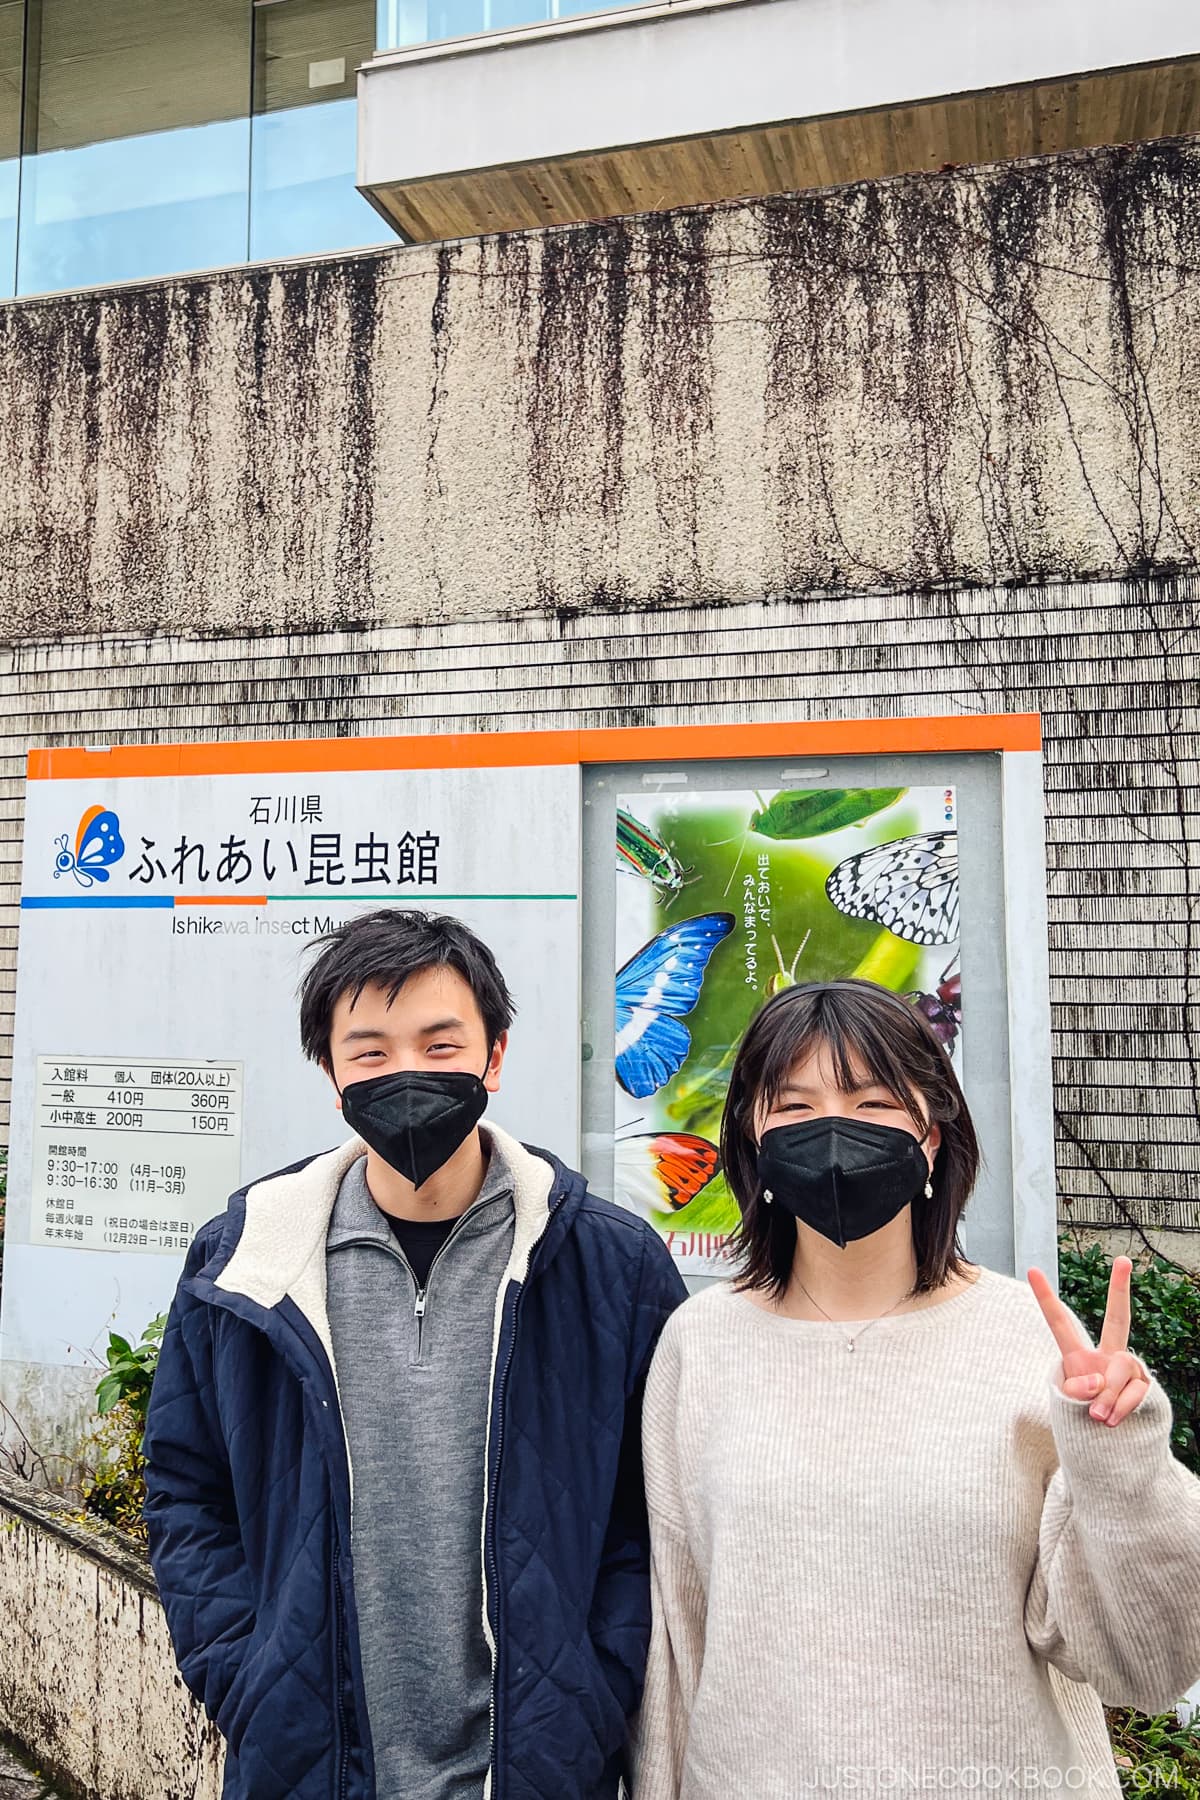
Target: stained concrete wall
x=86 y=1671
x=919 y=447
x=986 y=376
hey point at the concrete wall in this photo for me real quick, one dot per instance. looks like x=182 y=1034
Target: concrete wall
x=936 y=381
x=87 y=1677
x=920 y=447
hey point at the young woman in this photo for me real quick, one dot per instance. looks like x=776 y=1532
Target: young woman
x=909 y=1528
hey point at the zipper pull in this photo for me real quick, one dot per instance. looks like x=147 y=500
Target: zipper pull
x=419 y=1308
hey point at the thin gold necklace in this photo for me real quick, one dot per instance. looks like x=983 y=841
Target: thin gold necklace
x=851 y=1341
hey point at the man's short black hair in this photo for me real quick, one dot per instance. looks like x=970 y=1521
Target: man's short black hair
x=385 y=949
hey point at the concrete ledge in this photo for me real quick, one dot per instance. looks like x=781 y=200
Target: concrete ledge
x=87 y=1677
x=640 y=77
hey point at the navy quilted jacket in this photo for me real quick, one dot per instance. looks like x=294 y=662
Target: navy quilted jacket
x=249 y=1491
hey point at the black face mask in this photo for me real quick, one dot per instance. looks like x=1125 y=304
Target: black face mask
x=415 y=1119
x=844 y=1177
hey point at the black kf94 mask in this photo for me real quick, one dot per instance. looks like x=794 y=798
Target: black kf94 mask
x=844 y=1177
x=415 y=1119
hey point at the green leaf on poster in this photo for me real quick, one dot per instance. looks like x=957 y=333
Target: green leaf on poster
x=891 y=962
x=820 y=811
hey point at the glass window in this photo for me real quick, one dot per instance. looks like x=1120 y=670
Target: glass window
x=303 y=198
x=136 y=138
x=168 y=135
x=403 y=22
x=12 y=40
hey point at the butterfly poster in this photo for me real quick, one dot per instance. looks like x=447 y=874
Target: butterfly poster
x=724 y=899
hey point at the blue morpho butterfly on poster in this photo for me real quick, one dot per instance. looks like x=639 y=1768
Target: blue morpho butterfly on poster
x=654 y=990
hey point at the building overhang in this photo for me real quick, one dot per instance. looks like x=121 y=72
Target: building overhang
x=695 y=101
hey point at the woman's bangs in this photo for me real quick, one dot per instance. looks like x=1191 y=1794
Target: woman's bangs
x=868 y=1049
x=798 y=1036
x=855 y=1044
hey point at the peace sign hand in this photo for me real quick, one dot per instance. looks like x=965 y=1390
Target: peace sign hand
x=1114 y=1381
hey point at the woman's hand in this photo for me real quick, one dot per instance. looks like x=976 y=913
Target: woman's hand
x=1114 y=1381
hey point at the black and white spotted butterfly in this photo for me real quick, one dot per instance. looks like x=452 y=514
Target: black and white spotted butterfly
x=909 y=886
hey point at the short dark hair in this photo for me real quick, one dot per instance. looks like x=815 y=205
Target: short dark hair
x=856 y=1022
x=385 y=949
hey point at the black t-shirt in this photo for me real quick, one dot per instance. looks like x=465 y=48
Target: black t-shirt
x=420 y=1240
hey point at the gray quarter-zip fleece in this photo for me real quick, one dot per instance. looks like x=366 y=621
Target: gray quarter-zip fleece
x=414 y=1375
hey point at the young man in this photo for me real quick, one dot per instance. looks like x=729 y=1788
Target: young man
x=394 y=1467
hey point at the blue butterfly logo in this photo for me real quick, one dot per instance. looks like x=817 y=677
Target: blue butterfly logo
x=654 y=989
x=98 y=844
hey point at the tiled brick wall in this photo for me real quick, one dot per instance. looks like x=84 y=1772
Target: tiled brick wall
x=1111 y=666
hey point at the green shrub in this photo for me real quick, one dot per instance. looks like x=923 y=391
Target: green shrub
x=1165 y=1331
x=1157 y=1753
x=115 y=1486
x=115 y=1489
x=130 y=1371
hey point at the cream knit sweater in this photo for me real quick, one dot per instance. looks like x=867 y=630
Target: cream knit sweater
x=919 y=1566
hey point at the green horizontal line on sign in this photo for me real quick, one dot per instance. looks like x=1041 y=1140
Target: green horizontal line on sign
x=422 y=894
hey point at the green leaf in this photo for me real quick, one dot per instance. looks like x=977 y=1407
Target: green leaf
x=891 y=961
x=815 y=813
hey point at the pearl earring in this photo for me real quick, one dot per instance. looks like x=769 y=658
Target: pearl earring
x=768 y=1196
x=929 y=1189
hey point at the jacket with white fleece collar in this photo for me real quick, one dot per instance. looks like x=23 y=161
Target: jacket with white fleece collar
x=249 y=1490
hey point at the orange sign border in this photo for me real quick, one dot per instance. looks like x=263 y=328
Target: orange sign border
x=537 y=749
